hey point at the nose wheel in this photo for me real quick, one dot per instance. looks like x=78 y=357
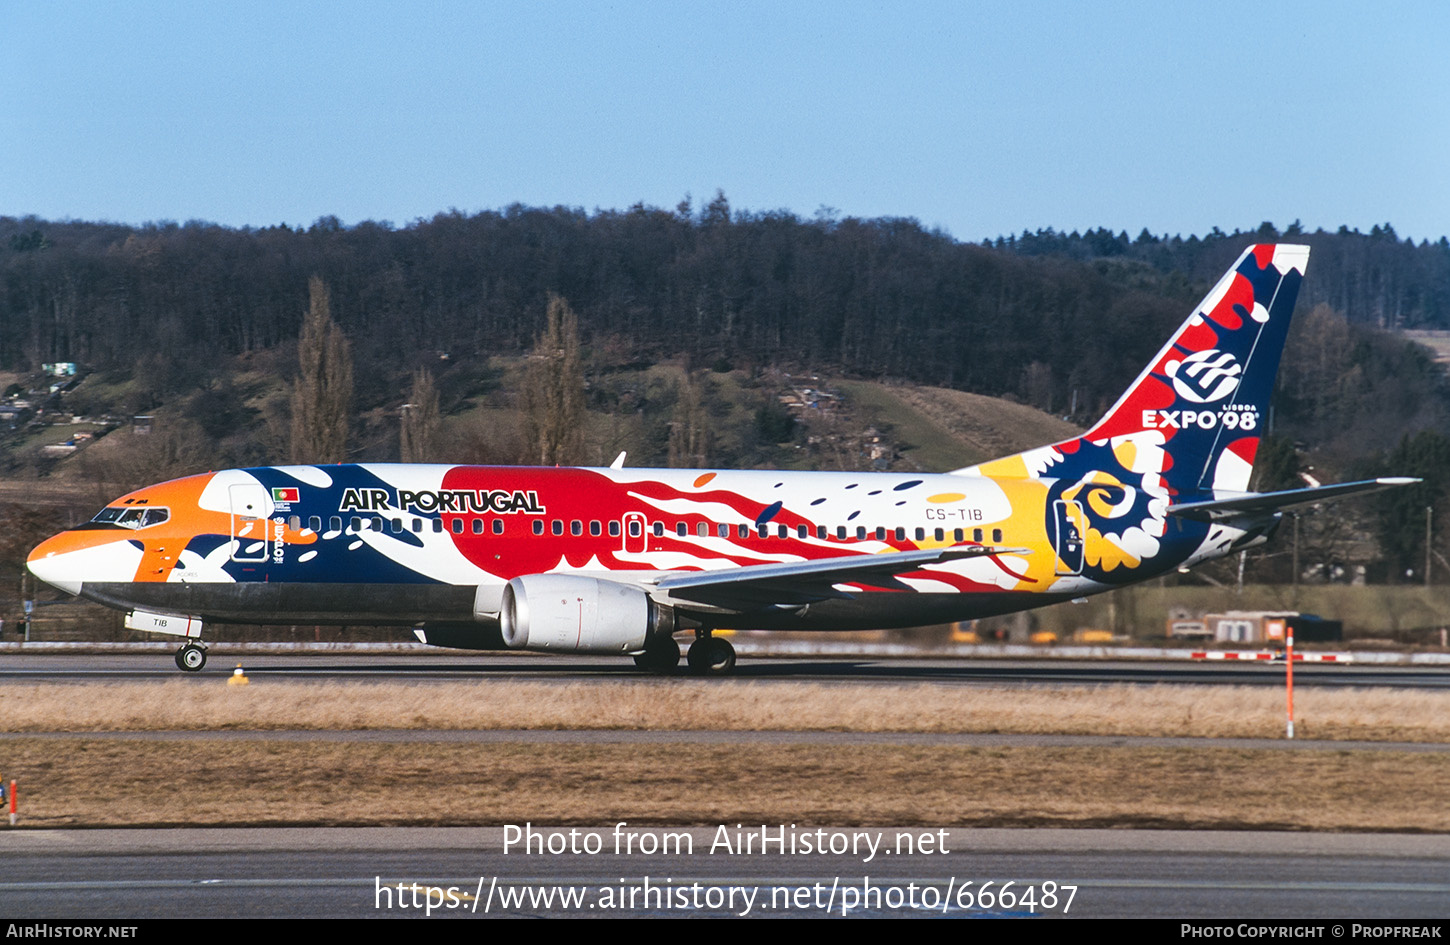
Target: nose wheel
x=190 y=658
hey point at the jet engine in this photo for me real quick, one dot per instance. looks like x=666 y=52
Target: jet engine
x=570 y=614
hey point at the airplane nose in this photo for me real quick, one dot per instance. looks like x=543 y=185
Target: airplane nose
x=49 y=563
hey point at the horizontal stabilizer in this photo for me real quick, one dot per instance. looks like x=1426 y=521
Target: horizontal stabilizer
x=1248 y=503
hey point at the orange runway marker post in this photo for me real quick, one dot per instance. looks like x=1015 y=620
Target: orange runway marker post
x=1289 y=677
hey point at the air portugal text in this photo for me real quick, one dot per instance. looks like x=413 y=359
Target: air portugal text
x=500 y=501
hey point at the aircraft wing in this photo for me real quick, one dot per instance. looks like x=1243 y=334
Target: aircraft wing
x=1248 y=503
x=802 y=582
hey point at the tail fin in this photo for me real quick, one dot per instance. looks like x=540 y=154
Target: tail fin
x=1199 y=407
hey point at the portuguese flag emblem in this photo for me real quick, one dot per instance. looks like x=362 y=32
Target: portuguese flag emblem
x=284 y=495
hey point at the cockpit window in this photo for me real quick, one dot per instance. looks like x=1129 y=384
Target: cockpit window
x=139 y=517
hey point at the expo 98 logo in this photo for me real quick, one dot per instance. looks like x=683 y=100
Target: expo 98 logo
x=1205 y=376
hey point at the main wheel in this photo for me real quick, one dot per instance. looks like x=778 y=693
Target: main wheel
x=661 y=655
x=190 y=658
x=711 y=656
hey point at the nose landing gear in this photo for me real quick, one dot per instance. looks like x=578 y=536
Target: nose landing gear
x=191 y=658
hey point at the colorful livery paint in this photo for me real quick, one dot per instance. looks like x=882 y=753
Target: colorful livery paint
x=617 y=560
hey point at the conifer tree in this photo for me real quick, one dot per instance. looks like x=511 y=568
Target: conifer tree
x=553 y=398
x=322 y=396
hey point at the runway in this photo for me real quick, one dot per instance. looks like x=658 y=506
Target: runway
x=354 y=873
x=429 y=665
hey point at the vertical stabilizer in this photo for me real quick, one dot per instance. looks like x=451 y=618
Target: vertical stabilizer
x=1195 y=414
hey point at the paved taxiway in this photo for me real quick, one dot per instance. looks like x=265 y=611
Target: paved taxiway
x=123 y=874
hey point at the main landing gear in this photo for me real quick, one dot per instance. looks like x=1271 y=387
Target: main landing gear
x=710 y=656
x=661 y=654
x=191 y=658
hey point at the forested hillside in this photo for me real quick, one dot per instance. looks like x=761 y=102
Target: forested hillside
x=1059 y=321
x=1372 y=278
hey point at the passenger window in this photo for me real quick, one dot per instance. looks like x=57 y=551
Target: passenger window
x=417 y=525
x=703 y=529
x=335 y=523
x=397 y=526
x=557 y=526
x=356 y=525
x=782 y=531
x=996 y=534
x=315 y=523
x=659 y=529
x=293 y=522
x=940 y=534
x=576 y=527
x=977 y=535
x=478 y=526
x=538 y=526
x=498 y=526
x=595 y=528
x=457 y=526
x=634 y=529
x=840 y=531
x=958 y=536
x=438 y=525
x=681 y=529
x=802 y=531
x=764 y=531
x=880 y=533
x=614 y=528
x=742 y=531
x=900 y=533
x=860 y=532
x=723 y=530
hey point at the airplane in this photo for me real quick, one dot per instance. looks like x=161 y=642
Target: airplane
x=618 y=560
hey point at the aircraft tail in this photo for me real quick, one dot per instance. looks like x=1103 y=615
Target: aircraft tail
x=1195 y=414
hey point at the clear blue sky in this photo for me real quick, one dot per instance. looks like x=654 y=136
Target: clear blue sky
x=979 y=118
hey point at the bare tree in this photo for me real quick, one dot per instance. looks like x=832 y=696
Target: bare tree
x=420 y=420
x=322 y=397
x=554 y=389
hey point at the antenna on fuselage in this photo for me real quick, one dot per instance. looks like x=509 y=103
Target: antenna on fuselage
x=618 y=461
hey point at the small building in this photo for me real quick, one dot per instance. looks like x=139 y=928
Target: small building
x=1270 y=626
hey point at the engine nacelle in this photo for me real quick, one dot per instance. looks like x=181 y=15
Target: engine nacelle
x=570 y=614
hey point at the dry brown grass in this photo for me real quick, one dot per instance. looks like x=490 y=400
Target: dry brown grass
x=1204 y=711
x=141 y=783
x=991 y=426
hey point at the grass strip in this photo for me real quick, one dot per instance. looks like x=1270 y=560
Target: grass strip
x=675 y=704
x=106 y=782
